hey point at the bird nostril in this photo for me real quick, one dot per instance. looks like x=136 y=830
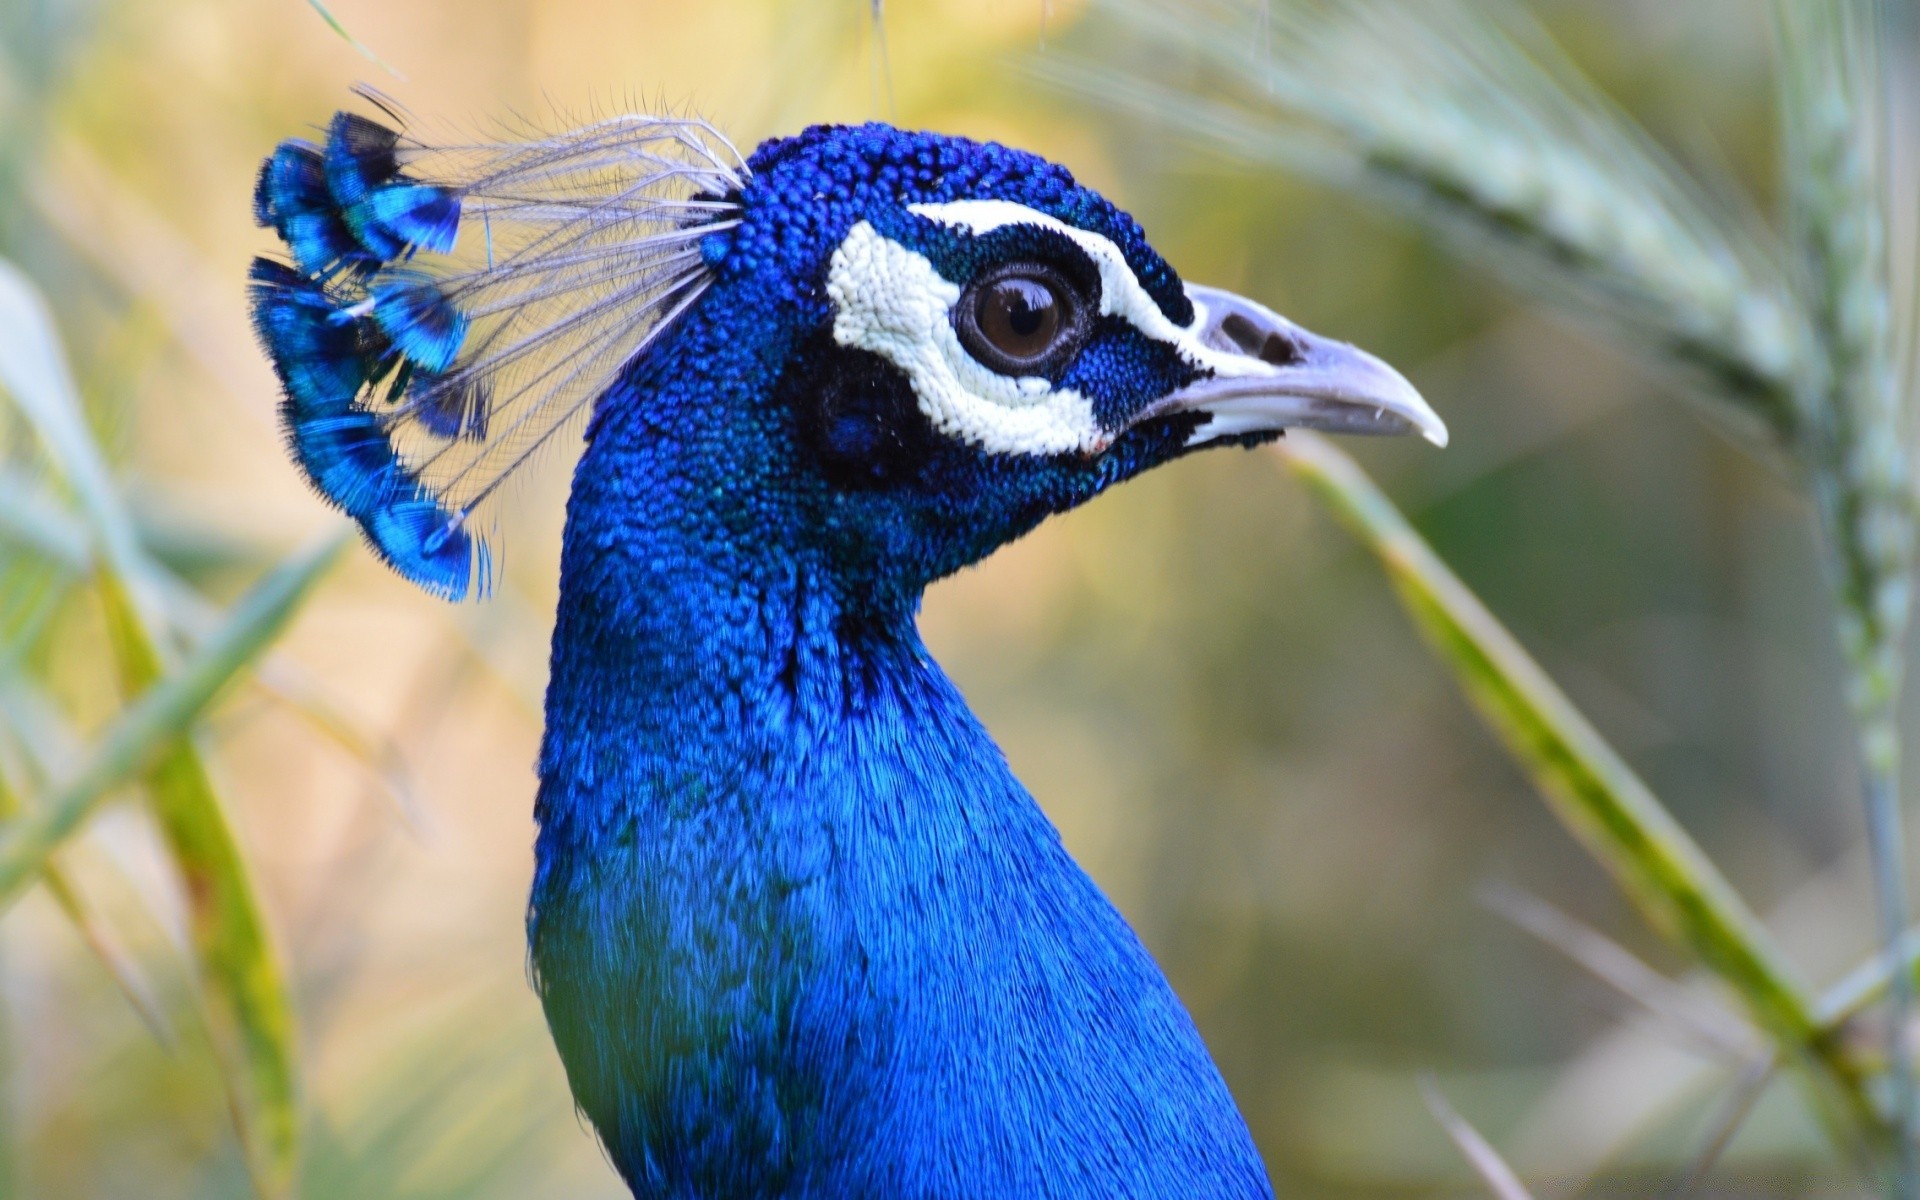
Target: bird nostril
x=1244 y=334
x=1280 y=350
x=1275 y=349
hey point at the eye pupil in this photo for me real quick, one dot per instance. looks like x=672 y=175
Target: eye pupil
x=1021 y=316
x=1029 y=306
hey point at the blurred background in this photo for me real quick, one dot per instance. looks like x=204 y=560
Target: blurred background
x=1202 y=678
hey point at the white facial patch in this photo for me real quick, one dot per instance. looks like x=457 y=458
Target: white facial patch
x=891 y=301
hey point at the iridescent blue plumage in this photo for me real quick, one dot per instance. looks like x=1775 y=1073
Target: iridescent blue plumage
x=292 y=196
x=420 y=320
x=418 y=372
x=798 y=931
x=327 y=356
x=388 y=212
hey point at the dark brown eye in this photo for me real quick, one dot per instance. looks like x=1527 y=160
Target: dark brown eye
x=1020 y=318
x=1020 y=315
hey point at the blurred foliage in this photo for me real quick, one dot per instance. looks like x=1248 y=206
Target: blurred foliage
x=1200 y=677
x=1470 y=119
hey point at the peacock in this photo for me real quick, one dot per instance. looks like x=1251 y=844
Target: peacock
x=797 y=929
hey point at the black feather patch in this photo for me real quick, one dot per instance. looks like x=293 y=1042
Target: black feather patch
x=857 y=413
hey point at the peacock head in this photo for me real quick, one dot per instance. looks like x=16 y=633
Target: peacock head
x=904 y=349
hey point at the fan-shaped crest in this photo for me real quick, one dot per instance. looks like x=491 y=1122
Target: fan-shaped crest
x=449 y=308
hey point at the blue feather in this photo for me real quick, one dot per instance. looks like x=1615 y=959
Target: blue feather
x=322 y=359
x=292 y=197
x=388 y=212
x=328 y=356
x=431 y=547
x=293 y=179
x=454 y=407
x=420 y=319
x=361 y=154
x=325 y=358
x=321 y=243
x=347 y=457
x=416 y=213
x=392 y=384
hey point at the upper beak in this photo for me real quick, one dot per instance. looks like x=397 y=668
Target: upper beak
x=1282 y=377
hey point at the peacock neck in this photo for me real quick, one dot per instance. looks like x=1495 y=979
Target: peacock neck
x=797 y=929
x=700 y=635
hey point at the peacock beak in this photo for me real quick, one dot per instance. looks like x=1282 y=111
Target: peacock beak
x=1271 y=374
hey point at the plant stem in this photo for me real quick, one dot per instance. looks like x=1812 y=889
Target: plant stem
x=159 y=715
x=1886 y=844
x=1853 y=441
x=1598 y=797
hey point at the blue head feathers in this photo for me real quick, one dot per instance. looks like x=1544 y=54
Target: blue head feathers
x=448 y=309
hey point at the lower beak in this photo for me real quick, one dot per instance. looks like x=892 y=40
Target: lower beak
x=1274 y=375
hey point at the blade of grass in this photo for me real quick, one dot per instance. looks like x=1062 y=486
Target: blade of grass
x=1712 y=1030
x=33 y=371
x=1593 y=792
x=31 y=517
x=334 y=24
x=1493 y=1170
x=120 y=966
x=30 y=520
x=1867 y=983
x=240 y=983
x=250 y=1014
x=285 y=683
x=34 y=519
x=94 y=934
x=1728 y=1117
x=162 y=713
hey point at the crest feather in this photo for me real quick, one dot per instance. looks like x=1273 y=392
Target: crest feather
x=449 y=308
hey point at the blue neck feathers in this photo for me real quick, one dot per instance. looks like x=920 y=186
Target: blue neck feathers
x=798 y=930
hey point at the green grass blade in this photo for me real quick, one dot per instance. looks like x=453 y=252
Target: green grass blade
x=94 y=934
x=1591 y=789
x=119 y=965
x=249 y=1012
x=31 y=521
x=161 y=714
x=33 y=371
x=333 y=23
x=248 y=1009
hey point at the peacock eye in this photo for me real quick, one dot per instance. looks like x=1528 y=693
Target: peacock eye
x=1021 y=318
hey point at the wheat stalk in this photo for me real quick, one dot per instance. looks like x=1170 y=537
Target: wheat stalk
x=1468 y=118
x=1854 y=430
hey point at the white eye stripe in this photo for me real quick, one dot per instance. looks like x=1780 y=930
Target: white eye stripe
x=1120 y=292
x=891 y=301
